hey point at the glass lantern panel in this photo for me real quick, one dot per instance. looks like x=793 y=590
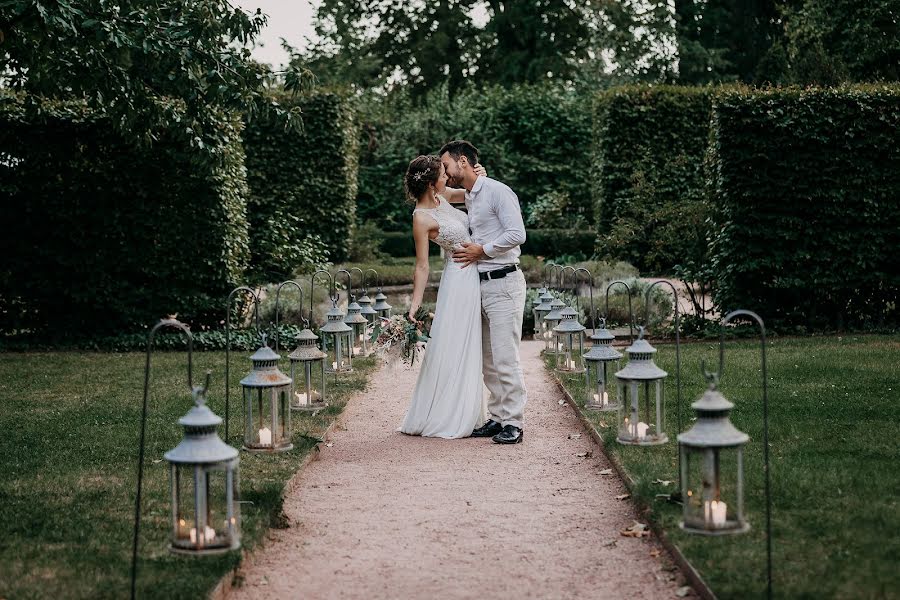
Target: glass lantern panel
x=218 y=523
x=713 y=489
x=640 y=414
x=260 y=429
x=283 y=414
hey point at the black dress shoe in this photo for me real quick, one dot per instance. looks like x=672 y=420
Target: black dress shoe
x=510 y=435
x=489 y=429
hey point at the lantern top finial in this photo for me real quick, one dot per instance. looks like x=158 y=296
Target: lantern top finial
x=713 y=427
x=201 y=444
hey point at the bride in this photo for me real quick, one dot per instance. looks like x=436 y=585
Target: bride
x=448 y=400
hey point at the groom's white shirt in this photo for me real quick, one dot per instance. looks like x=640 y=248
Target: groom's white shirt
x=495 y=221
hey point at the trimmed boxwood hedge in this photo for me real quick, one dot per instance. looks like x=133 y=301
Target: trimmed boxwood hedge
x=649 y=145
x=807 y=205
x=302 y=184
x=102 y=236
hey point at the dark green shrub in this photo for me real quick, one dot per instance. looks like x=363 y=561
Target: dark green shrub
x=536 y=139
x=649 y=145
x=103 y=236
x=302 y=185
x=807 y=205
x=555 y=243
x=401 y=244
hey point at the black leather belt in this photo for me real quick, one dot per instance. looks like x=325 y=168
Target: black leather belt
x=498 y=273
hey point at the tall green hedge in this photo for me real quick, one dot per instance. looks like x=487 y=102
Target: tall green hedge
x=807 y=205
x=102 y=236
x=302 y=185
x=536 y=139
x=649 y=145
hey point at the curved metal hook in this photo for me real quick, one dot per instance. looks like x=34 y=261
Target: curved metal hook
x=140 y=478
x=566 y=269
x=256 y=301
x=630 y=308
x=591 y=288
x=677 y=348
x=312 y=288
x=366 y=280
x=765 y=381
x=277 y=314
x=553 y=268
x=544 y=273
x=349 y=283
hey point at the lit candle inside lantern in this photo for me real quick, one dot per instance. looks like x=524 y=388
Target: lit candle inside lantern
x=570 y=364
x=334 y=365
x=302 y=399
x=602 y=401
x=265 y=436
x=209 y=534
x=356 y=350
x=642 y=429
x=714 y=512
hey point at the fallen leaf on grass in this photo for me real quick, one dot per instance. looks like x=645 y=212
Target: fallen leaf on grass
x=623 y=496
x=602 y=425
x=574 y=436
x=587 y=454
x=606 y=472
x=157 y=461
x=637 y=530
x=683 y=591
x=663 y=482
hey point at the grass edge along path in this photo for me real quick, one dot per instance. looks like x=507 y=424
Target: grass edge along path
x=68 y=463
x=834 y=490
x=687 y=569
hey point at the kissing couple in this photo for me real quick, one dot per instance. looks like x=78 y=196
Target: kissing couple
x=477 y=323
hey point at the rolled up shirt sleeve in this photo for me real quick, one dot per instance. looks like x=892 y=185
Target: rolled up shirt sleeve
x=506 y=206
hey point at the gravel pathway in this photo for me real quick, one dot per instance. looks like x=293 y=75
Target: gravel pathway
x=385 y=515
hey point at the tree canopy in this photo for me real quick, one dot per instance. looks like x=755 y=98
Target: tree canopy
x=146 y=64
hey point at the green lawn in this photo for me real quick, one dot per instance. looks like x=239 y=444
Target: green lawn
x=68 y=460
x=834 y=431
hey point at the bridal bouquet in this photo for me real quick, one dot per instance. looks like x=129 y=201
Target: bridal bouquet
x=399 y=338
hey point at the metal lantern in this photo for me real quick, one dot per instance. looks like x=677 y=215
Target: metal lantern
x=359 y=325
x=267 y=414
x=307 y=373
x=339 y=336
x=599 y=363
x=381 y=306
x=365 y=308
x=204 y=485
x=569 y=335
x=550 y=321
x=540 y=311
x=640 y=386
x=365 y=302
x=709 y=449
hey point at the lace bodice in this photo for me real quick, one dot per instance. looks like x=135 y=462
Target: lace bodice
x=453 y=225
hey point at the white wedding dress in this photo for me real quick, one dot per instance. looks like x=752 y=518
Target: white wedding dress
x=448 y=400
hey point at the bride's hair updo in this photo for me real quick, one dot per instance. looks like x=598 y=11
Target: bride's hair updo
x=422 y=172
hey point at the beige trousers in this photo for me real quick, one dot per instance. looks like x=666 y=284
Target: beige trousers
x=502 y=309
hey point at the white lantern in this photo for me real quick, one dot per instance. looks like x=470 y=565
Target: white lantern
x=641 y=390
x=203 y=483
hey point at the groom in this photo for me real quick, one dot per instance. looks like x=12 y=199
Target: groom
x=497 y=232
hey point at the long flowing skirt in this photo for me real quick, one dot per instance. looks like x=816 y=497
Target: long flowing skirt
x=448 y=400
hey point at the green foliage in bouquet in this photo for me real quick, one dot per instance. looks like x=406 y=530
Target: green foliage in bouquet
x=403 y=339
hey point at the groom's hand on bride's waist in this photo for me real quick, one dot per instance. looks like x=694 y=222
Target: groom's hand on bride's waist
x=469 y=253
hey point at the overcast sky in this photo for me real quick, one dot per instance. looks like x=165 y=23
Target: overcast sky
x=288 y=19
